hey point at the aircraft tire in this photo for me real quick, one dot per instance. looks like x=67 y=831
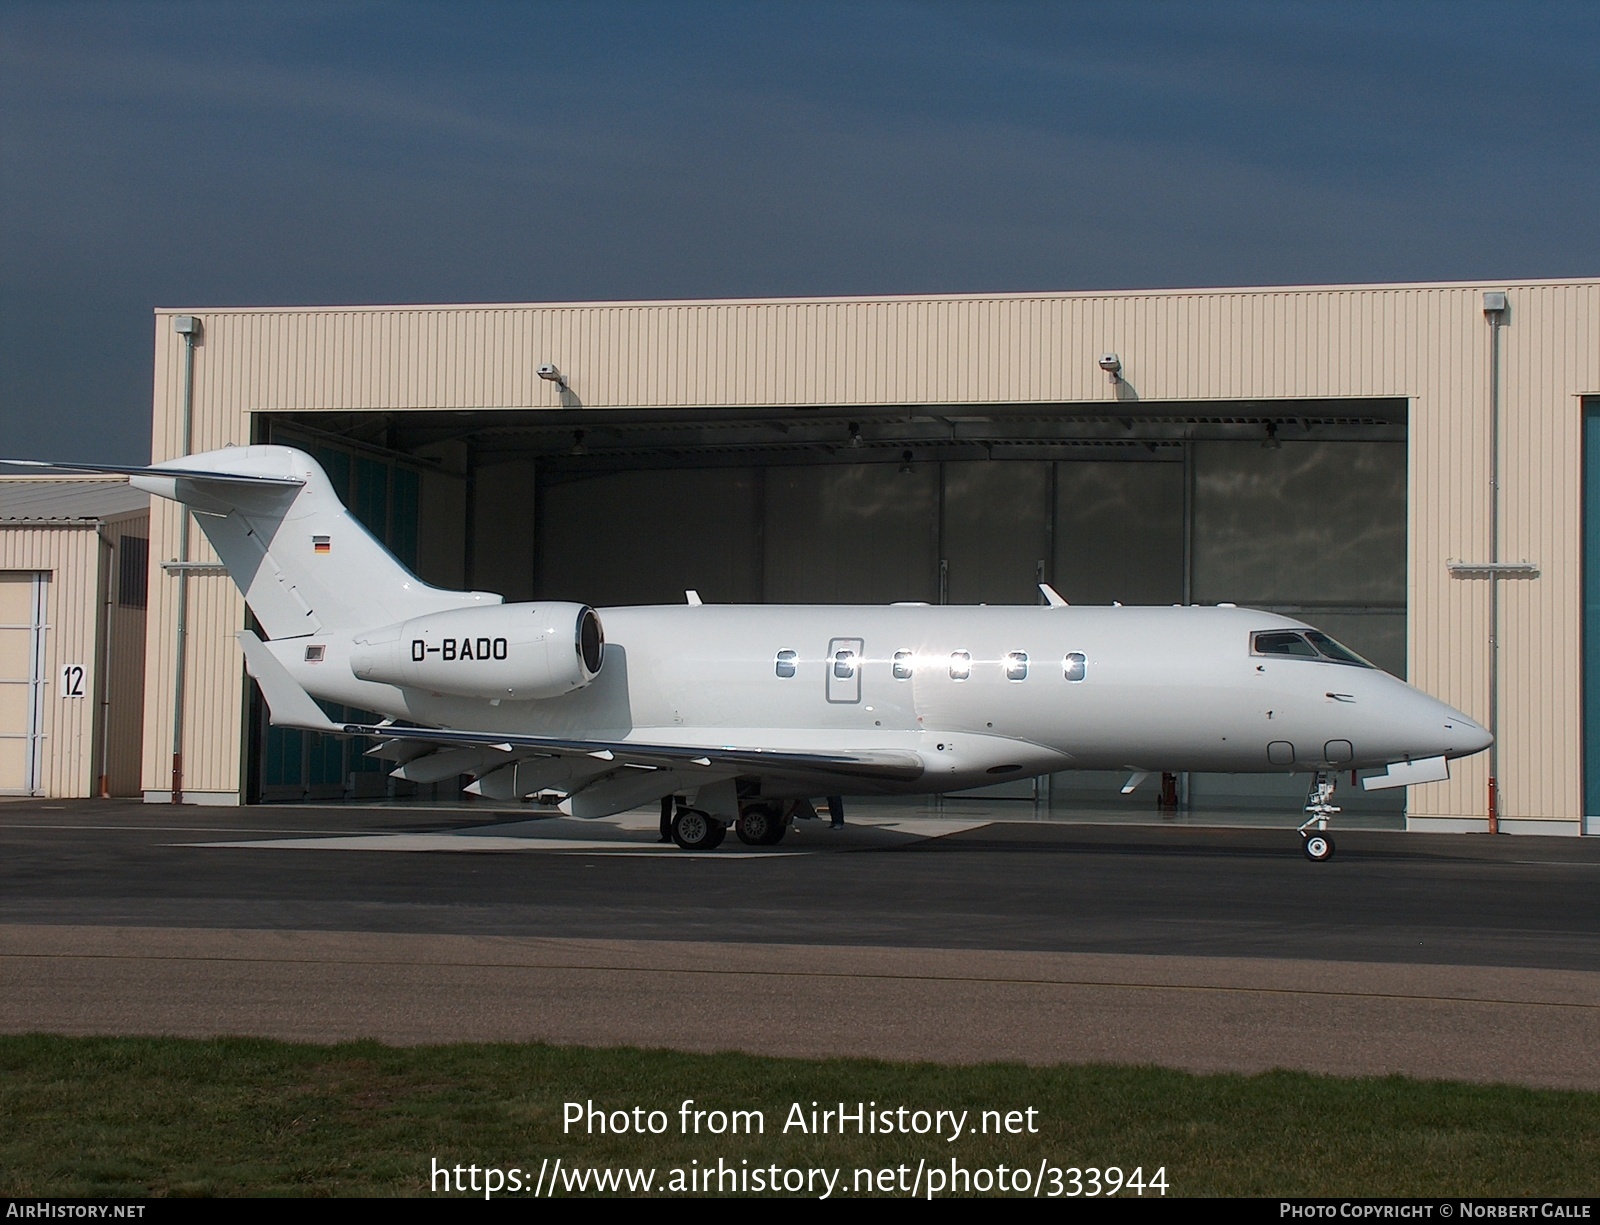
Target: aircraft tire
x=694 y=830
x=1318 y=847
x=759 y=825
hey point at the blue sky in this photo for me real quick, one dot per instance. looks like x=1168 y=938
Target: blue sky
x=174 y=154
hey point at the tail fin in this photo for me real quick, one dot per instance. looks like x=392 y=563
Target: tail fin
x=305 y=564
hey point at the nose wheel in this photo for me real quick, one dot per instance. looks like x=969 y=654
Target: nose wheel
x=1318 y=847
x=1314 y=840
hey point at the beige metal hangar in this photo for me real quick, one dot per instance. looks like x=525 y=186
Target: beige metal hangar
x=1403 y=465
x=74 y=563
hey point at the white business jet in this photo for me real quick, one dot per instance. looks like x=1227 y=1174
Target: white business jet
x=738 y=715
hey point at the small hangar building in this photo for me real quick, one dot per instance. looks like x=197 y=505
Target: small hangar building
x=74 y=573
x=1403 y=466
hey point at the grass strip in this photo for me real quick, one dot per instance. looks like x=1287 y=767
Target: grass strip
x=142 y=1117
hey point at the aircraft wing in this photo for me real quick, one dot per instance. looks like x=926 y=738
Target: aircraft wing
x=896 y=765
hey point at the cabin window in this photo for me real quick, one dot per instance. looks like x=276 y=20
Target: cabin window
x=1017 y=666
x=902 y=665
x=786 y=665
x=844 y=664
x=960 y=665
x=1075 y=666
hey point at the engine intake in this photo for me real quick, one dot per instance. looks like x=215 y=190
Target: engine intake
x=516 y=651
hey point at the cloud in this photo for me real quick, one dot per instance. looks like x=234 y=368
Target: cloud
x=194 y=155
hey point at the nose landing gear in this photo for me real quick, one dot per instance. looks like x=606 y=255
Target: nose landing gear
x=1315 y=842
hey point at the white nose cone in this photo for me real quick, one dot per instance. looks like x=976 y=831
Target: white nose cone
x=1418 y=727
x=1467 y=737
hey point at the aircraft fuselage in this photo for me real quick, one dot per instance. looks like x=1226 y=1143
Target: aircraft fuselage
x=981 y=694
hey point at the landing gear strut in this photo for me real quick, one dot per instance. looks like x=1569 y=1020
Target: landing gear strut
x=1319 y=804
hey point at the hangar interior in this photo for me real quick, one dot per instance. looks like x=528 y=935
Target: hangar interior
x=1297 y=506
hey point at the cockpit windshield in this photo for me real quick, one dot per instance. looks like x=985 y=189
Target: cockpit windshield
x=1309 y=644
x=1336 y=651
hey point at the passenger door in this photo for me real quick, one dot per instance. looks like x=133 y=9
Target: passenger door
x=844 y=669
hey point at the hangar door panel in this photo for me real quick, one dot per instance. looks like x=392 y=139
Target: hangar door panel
x=21 y=638
x=996 y=530
x=643 y=537
x=1119 y=532
x=851 y=534
x=1305 y=523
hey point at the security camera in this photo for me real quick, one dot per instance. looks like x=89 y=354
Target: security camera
x=1111 y=364
x=550 y=373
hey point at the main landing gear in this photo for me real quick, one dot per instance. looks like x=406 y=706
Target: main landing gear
x=760 y=823
x=1315 y=842
x=694 y=830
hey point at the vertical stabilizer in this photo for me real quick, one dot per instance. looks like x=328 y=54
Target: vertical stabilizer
x=305 y=564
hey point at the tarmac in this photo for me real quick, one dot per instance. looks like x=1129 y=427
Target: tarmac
x=1203 y=950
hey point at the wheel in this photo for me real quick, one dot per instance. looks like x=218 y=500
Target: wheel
x=759 y=825
x=694 y=830
x=1318 y=847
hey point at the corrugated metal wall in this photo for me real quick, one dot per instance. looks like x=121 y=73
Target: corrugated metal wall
x=72 y=557
x=1175 y=346
x=1426 y=343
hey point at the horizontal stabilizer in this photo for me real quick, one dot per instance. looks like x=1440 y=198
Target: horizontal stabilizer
x=163 y=470
x=289 y=704
x=1404 y=773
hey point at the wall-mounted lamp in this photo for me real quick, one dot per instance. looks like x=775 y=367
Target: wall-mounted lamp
x=855 y=434
x=1112 y=365
x=577 y=450
x=551 y=375
x=905 y=462
x=1270 y=442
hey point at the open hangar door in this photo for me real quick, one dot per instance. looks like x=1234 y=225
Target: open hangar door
x=1292 y=506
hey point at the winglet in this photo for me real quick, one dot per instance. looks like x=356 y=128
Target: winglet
x=1052 y=596
x=289 y=704
x=692 y=598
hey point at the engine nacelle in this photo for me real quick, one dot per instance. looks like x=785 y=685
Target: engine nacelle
x=515 y=651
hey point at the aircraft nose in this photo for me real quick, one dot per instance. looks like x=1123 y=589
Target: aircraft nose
x=1466 y=736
